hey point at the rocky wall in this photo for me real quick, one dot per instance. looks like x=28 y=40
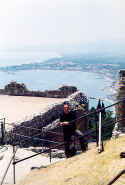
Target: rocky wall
x=23 y=133
x=20 y=89
x=119 y=128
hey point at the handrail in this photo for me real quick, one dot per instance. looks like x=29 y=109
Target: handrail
x=116 y=178
x=60 y=144
x=5 y=173
x=98 y=110
x=77 y=119
x=35 y=138
x=49 y=141
x=85 y=115
x=49 y=131
x=44 y=151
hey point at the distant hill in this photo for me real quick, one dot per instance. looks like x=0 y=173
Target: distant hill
x=99 y=63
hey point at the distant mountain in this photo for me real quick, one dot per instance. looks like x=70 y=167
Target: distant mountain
x=99 y=63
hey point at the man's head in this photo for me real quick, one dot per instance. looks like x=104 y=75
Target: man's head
x=66 y=108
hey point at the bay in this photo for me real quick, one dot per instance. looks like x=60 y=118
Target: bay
x=92 y=84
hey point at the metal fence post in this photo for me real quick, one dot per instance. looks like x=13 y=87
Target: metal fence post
x=14 y=180
x=100 y=134
x=50 y=154
x=97 y=134
x=5 y=173
x=2 y=133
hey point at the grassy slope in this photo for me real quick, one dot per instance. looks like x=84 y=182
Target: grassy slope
x=88 y=168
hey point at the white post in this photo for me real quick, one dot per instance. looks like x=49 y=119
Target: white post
x=100 y=125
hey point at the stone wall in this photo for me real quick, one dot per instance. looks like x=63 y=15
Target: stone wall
x=120 y=108
x=20 y=89
x=43 y=121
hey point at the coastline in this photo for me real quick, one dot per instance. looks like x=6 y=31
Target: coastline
x=112 y=86
x=106 y=76
x=25 y=168
x=103 y=74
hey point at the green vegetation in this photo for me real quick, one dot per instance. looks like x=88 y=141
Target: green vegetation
x=107 y=123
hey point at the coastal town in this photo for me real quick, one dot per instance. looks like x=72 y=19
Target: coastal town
x=98 y=64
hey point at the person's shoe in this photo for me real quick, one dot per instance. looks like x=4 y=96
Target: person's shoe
x=67 y=156
x=84 y=149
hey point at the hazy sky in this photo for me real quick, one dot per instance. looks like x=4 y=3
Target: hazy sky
x=47 y=22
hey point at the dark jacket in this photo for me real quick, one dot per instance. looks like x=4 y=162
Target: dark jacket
x=68 y=129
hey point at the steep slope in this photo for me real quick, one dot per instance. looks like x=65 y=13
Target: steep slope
x=88 y=168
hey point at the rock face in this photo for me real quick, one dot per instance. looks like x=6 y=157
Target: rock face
x=120 y=108
x=15 y=89
x=19 y=89
x=79 y=104
x=29 y=132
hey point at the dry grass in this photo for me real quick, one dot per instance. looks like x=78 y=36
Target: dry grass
x=88 y=168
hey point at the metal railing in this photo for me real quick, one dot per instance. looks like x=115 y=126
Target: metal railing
x=5 y=173
x=116 y=178
x=2 y=130
x=57 y=144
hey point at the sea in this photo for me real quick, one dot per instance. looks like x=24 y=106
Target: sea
x=93 y=85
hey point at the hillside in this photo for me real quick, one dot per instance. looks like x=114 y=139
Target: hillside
x=105 y=64
x=88 y=168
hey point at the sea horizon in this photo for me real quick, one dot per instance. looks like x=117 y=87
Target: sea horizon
x=12 y=58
